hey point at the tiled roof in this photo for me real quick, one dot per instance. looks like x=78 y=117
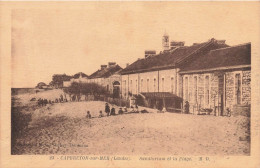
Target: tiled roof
x=77 y=75
x=106 y=72
x=171 y=58
x=224 y=57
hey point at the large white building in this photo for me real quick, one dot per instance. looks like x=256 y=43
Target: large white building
x=221 y=78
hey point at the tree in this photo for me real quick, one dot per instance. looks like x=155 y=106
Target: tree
x=40 y=85
x=78 y=89
x=57 y=79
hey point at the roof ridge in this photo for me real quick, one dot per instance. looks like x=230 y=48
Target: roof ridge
x=238 y=45
x=183 y=58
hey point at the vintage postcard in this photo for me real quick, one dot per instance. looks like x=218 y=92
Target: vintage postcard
x=130 y=84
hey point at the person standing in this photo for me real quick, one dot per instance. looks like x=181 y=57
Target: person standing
x=107 y=109
x=120 y=111
x=100 y=114
x=61 y=98
x=113 y=111
x=88 y=115
x=187 y=107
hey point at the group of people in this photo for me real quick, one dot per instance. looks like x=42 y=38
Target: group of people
x=108 y=111
x=44 y=102
x=112 y=111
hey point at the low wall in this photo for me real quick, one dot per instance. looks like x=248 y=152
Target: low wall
x=243 y=110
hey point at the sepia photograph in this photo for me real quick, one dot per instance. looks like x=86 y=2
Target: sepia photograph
x=122 y=79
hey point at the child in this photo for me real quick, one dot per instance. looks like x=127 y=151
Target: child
x=136 y=107
x=125 y=109
x=163 y=110
x=120 y=111
x=113 y=111
x=100 y=114
x=88 y=115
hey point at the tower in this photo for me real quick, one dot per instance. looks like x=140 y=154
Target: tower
x=165 y=41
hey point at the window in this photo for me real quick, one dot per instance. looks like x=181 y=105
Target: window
x=154 y=85
x=162 y=84
x=136 y=87
x=131 y=86
x=141 y=89
x=186 y=88
x=147 y=85
x=207 y=90
x=125 y=87
x=172 y=84
x=238 y=88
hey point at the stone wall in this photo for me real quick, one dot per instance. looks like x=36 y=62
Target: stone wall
x=246 y=87
x=215 y=89
x=230 y=92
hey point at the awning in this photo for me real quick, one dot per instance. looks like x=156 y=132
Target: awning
x=161 y=95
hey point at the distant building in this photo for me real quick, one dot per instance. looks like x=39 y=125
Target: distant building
x=78 y=77
x=58 y=80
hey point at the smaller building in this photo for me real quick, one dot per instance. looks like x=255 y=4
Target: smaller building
x=109 y=77
x=79 y=77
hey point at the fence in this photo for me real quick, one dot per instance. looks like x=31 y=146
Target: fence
x=117 y=101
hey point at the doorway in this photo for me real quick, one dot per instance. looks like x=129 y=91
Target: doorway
x=116 y=89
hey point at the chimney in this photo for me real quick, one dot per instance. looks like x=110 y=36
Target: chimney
x=218 y=41
x=110 y=64
x=175 y=44
x=103 y=67
x=127 y=64
x=149 y=53
x=221 y=41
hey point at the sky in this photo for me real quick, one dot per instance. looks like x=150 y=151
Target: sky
x=80 y=38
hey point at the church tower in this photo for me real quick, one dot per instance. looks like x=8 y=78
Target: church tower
x=165 y=42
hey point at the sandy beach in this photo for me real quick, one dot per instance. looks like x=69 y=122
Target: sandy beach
x=62 y=128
